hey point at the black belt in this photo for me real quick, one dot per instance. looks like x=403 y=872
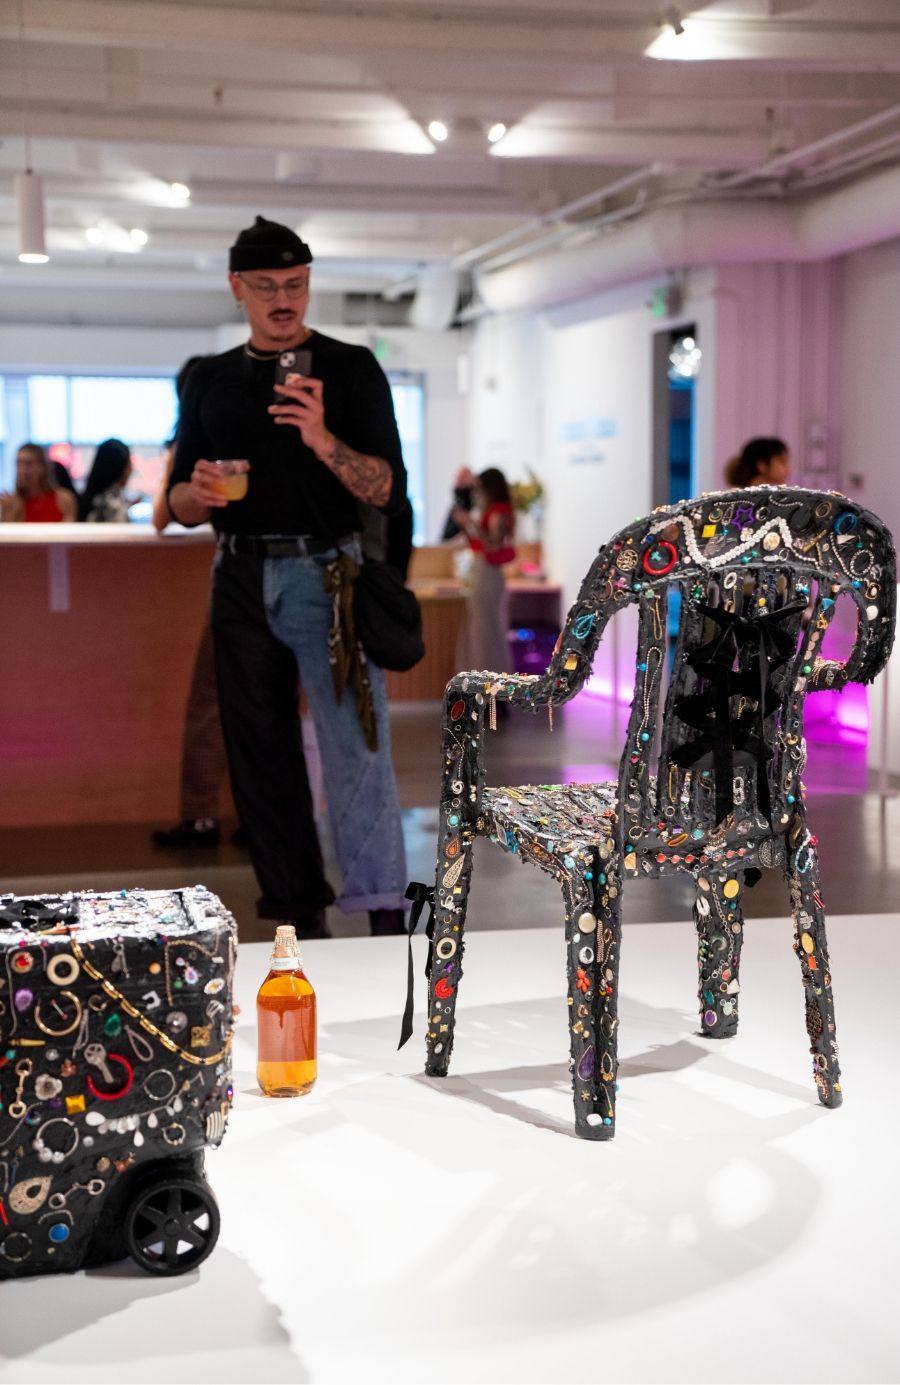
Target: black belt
x=282 y=545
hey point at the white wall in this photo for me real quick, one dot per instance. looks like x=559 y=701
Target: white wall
x=113 y=350
x=775 y=366
x=871 y=427
x=871 y=382
x=884 y=721
x=569 y=394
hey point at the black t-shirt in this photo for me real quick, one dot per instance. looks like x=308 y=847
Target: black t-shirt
x=223 y=414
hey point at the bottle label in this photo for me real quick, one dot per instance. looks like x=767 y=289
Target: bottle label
x=285 y=963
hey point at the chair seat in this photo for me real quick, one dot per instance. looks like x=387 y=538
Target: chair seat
x=550 y=823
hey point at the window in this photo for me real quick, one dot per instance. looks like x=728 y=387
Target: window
x=71 y=414
x=409 y=406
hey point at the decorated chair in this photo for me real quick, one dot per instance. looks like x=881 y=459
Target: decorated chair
x=759 y=573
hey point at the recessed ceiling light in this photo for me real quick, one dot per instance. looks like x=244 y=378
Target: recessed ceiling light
x=496 y=132
x=181 y=191
x=438 y=130
x=95 y=235
x=138 y=236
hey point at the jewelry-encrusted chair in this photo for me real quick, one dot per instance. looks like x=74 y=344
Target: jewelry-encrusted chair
x=759 y=572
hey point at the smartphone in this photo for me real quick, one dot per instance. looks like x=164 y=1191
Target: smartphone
x=297 y=362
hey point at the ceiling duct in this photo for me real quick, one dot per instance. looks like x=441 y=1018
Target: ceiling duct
x=697 y=233
x=437 y=296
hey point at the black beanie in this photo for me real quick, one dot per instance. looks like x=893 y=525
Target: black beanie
x=267 y=245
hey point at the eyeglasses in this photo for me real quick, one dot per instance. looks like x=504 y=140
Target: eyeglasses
x=267 y=289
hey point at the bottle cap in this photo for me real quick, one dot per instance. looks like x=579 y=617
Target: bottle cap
x=286 y=944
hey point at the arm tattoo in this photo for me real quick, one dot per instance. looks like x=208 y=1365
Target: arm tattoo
x=368 y=478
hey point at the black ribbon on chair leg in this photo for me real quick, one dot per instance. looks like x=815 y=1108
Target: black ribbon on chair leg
x=420 y=896
x=762 y=646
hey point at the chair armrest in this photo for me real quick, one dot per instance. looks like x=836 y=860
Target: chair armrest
x=827 y=674
x=468 y=700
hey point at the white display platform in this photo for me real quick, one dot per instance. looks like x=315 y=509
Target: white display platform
x=394 y=1228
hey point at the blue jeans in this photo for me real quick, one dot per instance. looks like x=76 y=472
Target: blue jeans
x=271 y=618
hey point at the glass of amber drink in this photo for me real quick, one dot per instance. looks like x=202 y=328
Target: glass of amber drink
x=232 y=477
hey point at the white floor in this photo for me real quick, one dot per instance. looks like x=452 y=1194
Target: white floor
x=392 y=1228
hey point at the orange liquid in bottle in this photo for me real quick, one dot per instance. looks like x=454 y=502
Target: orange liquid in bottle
x=286 y=1029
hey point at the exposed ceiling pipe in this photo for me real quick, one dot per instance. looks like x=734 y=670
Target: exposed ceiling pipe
x=873 y=152
x=437 y=296
x=437 y=287
x=792 y=156
x=570 y=232
x=537 y=223
x=693 y=234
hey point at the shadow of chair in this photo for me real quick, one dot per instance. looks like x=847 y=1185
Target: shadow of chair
x=709 y=779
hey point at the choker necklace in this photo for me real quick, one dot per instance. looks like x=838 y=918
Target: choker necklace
x=260 y=355
x=273 y=355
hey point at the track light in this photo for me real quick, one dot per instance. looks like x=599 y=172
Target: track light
x=438 y=130
x=496 y=132
x=672 y=17
x=180 y=191
x=30 y=202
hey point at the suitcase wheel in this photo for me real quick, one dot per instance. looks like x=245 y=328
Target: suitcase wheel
x=172 y=1225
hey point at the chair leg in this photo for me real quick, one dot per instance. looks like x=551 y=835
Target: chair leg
x=454 y=875
x=593 y=936
x=811 y=946
x=720 y=933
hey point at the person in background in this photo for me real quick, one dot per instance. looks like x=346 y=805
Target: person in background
x=101 y=501
x=160 y=515
x=490 y=529
x=463 y=487
x=62 y=478
x=36 y=498
x=761 y=461
x=203 y=761
x=280 y=601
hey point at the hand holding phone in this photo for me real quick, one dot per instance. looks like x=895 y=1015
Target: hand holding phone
x=297 y=362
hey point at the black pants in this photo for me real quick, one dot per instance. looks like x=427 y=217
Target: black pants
x=257 y=678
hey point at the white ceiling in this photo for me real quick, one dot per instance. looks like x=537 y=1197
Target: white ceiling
x=314 y=112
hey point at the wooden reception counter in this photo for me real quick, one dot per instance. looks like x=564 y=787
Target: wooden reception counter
x=99 y=625
x=99 y=628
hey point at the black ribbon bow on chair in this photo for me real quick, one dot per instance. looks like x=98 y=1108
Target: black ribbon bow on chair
x=420 y=896
x=760 y=646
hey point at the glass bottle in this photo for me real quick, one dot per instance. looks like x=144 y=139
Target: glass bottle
x=286 y=1022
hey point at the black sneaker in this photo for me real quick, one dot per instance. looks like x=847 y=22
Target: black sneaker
x=313 y=925
x=200 y=832
x=386 y=923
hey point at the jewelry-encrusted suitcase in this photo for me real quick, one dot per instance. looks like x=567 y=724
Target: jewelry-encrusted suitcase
x=116 y=1022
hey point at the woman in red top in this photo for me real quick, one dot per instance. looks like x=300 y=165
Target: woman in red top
x=36 y=500
x=490 y=527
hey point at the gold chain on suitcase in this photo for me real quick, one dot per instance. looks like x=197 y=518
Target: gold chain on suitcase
x=142 y=1020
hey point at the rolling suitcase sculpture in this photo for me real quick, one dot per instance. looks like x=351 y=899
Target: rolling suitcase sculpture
x=116 y=1023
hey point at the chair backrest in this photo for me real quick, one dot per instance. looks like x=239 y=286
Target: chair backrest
x=758 y=574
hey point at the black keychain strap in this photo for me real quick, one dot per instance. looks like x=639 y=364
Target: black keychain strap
x=420 y=896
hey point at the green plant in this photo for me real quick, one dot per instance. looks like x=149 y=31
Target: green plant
x=526 y=494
